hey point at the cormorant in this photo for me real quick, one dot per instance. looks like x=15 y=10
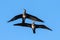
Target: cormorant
x=33 y=26
x=24 y=16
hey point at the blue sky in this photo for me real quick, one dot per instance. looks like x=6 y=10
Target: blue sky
x=47 y=10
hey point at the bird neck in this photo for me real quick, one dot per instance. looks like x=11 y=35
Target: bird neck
x=24 y=13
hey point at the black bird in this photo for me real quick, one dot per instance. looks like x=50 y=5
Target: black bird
x=24 y=16
x=33 y=26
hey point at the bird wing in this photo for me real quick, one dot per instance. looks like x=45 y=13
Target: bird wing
x=15 y=18
x=23 y=24
x=33 y=18
x=43 y=26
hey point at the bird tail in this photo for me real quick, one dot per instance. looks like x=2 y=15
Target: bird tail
x=34 y=31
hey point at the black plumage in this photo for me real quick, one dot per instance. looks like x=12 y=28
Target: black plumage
x=24 y=16
x=35 y=26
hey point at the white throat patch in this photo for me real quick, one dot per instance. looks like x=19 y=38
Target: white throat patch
x=33 y=26
x=24 y=15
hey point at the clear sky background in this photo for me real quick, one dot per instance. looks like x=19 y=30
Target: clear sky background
x=47 y=10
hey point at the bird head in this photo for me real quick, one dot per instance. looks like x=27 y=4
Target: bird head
x=24 y=11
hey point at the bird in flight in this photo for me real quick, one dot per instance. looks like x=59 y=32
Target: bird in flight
x=24 y=16
x=33 y=26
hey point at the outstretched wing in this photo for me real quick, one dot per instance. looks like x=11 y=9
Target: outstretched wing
x=15 y=18
x=23 y=24
x=43 y=26
x=33 y=18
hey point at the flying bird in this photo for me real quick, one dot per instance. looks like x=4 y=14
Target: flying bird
x=33 y=26
x=24 y=16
